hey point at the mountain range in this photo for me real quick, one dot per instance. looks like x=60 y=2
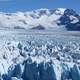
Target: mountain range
x=42 y=19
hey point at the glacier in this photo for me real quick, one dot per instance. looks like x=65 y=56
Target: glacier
x=27 y=56
x=42 y=44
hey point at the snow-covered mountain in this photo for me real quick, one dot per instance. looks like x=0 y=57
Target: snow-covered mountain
x=57 y=19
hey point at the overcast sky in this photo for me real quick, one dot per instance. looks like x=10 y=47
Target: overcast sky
x=26 y=5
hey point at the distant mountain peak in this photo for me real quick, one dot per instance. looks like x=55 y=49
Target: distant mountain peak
x=60 y=10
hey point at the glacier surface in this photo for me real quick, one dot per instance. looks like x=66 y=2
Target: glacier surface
x=39 y=56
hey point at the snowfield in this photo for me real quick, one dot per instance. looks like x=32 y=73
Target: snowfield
x=42 y=55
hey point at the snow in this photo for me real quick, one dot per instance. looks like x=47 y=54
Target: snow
x=60 y=10
x=26 y=21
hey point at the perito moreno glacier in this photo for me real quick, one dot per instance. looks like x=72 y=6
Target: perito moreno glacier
x=40 y=45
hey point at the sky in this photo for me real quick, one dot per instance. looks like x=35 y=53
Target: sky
x=28 y=5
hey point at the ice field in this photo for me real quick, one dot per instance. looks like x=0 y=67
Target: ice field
x=39 y=55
